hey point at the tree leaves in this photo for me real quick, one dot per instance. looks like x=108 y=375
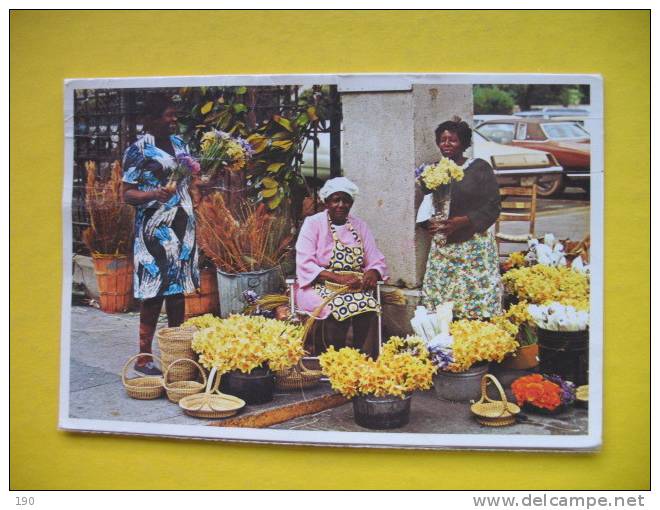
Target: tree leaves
x=274 y=167
x=206 y=108
x=284 y=122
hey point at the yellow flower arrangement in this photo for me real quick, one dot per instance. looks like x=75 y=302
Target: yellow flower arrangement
x=516 y=259
x=243 y=343
x=401 y=368
x=475 y=341
x=440 y=174
x=202 y=321
x=542 y=284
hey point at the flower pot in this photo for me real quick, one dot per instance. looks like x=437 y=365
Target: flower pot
x=114 y=277
x=206 y=299
x=255 y=388
x=565 y=353
x=387 y=412
x=231 y=287
x=524 y=358
x=460 y=386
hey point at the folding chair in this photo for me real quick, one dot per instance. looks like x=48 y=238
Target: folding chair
x=518 y=204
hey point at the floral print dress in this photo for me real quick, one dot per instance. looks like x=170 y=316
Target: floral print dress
x=165 y=250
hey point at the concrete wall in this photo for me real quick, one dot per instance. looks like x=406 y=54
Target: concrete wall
x=387 y=134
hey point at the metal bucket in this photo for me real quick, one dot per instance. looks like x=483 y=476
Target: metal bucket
x=381 y=412
x=255 y=388
x=231 y=287
x=460 y=386
x=565 y=353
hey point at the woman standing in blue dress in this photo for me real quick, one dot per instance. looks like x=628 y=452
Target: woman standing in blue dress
x=165 y=251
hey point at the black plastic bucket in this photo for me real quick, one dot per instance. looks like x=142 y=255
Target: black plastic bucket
x=565 y=353
x=381 y=412
x=255 y=388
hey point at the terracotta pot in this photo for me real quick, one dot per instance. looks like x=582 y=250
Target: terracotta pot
x=524 y=358
x=206 y=299
x=114 y=277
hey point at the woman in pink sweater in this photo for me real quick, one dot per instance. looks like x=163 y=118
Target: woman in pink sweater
x=335 y=249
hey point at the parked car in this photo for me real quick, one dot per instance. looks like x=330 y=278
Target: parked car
x=513 y=165
x=567 y=141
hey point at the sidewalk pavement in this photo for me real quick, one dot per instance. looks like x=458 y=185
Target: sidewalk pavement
x=101 y=343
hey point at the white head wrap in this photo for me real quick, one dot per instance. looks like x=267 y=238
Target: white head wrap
x=338 y=184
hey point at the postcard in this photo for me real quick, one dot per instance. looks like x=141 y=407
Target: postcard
x=359 y=260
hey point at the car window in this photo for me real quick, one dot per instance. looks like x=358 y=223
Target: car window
x=534 y=132
x=500 y=133
x=521 y=131
x=564 y=130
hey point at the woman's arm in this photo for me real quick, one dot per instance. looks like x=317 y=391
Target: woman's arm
x=133 y=196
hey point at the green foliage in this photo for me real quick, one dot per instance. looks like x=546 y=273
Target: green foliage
x=539 y=94
x=492 y=100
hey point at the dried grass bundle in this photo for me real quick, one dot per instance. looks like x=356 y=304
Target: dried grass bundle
x=252 y=239
x=111 y=220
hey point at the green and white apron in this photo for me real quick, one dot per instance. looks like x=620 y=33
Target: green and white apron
x=466 y=273
x=347 y=258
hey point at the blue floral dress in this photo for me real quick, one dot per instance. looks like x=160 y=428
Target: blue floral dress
x=165 y=250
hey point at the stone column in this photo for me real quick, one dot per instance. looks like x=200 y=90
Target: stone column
x=387 y=134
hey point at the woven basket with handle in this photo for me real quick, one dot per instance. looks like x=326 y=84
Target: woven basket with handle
x=211 y=403
x=494 y=413
x=143 y=387
x=178 y=389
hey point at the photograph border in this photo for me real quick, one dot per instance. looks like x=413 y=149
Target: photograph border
x=347 y=83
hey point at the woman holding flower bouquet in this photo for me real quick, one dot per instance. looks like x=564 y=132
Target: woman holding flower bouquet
x=157 y=173
x=461 y=203
x=336 y=249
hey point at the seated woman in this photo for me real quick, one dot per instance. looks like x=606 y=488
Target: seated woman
x=335 y=249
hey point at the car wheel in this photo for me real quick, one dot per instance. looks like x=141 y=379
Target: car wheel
x=549 y=185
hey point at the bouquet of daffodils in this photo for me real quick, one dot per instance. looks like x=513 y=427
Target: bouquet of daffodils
x=246 y=342
x=473 y=342
x=439 y=174
x=558 y=317
x=541 y=284
x=402 y=367
x=222 y=152
x=518 y=321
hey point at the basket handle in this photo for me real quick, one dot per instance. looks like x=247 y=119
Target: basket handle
x=123 y=371
x=213 y=382
x=484 y=395
x=167 y=370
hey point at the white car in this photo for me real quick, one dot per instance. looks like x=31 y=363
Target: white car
x=515 y=165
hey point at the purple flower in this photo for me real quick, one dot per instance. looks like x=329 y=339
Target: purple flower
x=440 y=357
x=189 y=162
x=250 y=297
x=419 y=170
x=567 y=388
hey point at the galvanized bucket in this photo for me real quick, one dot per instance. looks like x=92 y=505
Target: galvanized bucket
x=460 y=386
x=231 y=287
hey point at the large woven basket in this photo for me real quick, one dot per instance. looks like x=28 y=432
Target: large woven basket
x=494 y=413
x=174 y=344
x=144 y=387
x=297 y=377
x=178 y=389
x=211 y=403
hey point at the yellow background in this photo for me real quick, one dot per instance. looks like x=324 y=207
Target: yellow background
x=47 y=47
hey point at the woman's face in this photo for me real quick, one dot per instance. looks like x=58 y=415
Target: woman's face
x=165 y=124
x=450 y=145
x=338 y=205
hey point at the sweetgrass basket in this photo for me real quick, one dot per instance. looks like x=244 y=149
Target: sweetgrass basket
x=174 y=344
x=211 y=403
x=297 y=377
x=144 y=387
x=494 y=413
x=176 y=390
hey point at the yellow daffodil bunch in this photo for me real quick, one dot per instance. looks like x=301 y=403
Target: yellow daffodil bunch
x=202 y=321
x=402 y=368
x=441 y=174
x=475 y=341
x=243 y=343
x=541 y=284
x=516 y=259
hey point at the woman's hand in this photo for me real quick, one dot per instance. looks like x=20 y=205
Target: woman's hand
x=352 y=281
x=451 y=225
x=370 y=279
x=134 y=196
x=161 y=194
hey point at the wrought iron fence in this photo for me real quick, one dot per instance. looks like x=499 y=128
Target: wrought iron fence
x=106 y=121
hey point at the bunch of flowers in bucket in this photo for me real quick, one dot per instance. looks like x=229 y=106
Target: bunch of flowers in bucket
x=542 y=284
x=518 y=321
x=244 y=343
x=473 y=342
x=403 y=366
x=222 y=152
x=543 y=392
x=433 y=176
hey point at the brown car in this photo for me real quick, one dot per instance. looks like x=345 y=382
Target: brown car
x=566 y=140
